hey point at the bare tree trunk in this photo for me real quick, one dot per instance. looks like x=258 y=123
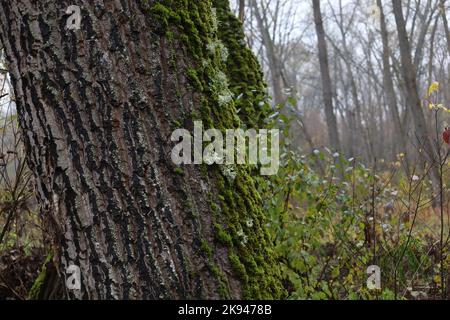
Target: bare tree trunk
x=389 y=91
x=274 y=64
x=97 y=108
x=445 y=22
x=333 y=134
x=447 y=36
x=425 y=19
x=412 y=97
x=241 y=10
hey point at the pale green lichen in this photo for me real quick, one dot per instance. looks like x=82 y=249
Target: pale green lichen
x=229 y=171
x=219 y=85
x=218 y=47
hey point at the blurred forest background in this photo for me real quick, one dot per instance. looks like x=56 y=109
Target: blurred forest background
x=360 y=89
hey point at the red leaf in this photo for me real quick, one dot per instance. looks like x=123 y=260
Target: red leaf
x=446 y=135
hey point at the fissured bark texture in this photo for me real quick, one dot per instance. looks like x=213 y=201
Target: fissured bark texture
x=97 y=107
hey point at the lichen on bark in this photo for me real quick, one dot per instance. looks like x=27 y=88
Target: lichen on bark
x=243 y=69
x=96 y=108
x=250 y=249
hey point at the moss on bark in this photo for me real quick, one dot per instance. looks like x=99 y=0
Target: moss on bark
x=228 y=77
x=47 y=284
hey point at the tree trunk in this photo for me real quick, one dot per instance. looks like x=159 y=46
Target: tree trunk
x=333 y=134
x=97 y=107
x=241 y=10
x=243 y=70
x=412 y=97
x=445 y=22
x=388 y=85
x=278 y=85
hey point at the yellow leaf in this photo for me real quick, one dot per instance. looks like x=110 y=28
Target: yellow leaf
x=433 y=88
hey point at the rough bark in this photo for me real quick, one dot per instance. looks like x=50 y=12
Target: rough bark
x=97 y=107
x=333 y=134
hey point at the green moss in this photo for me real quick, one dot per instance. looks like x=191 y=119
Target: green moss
x=169 y=35
x=36 y=289
x=195 y=82
x=254 y=261
x=214 y=208
x=162 y=14
x=177 y=124
x=223 y=290
x=243 y=69
x=238 y=267
x=222 y=88
x=179 y=171
x=222 y=236
x=206 y=248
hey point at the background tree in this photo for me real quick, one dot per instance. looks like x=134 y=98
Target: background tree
x=356 y=67
x=388 y=86
x=327 y=89
x=412 y=97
